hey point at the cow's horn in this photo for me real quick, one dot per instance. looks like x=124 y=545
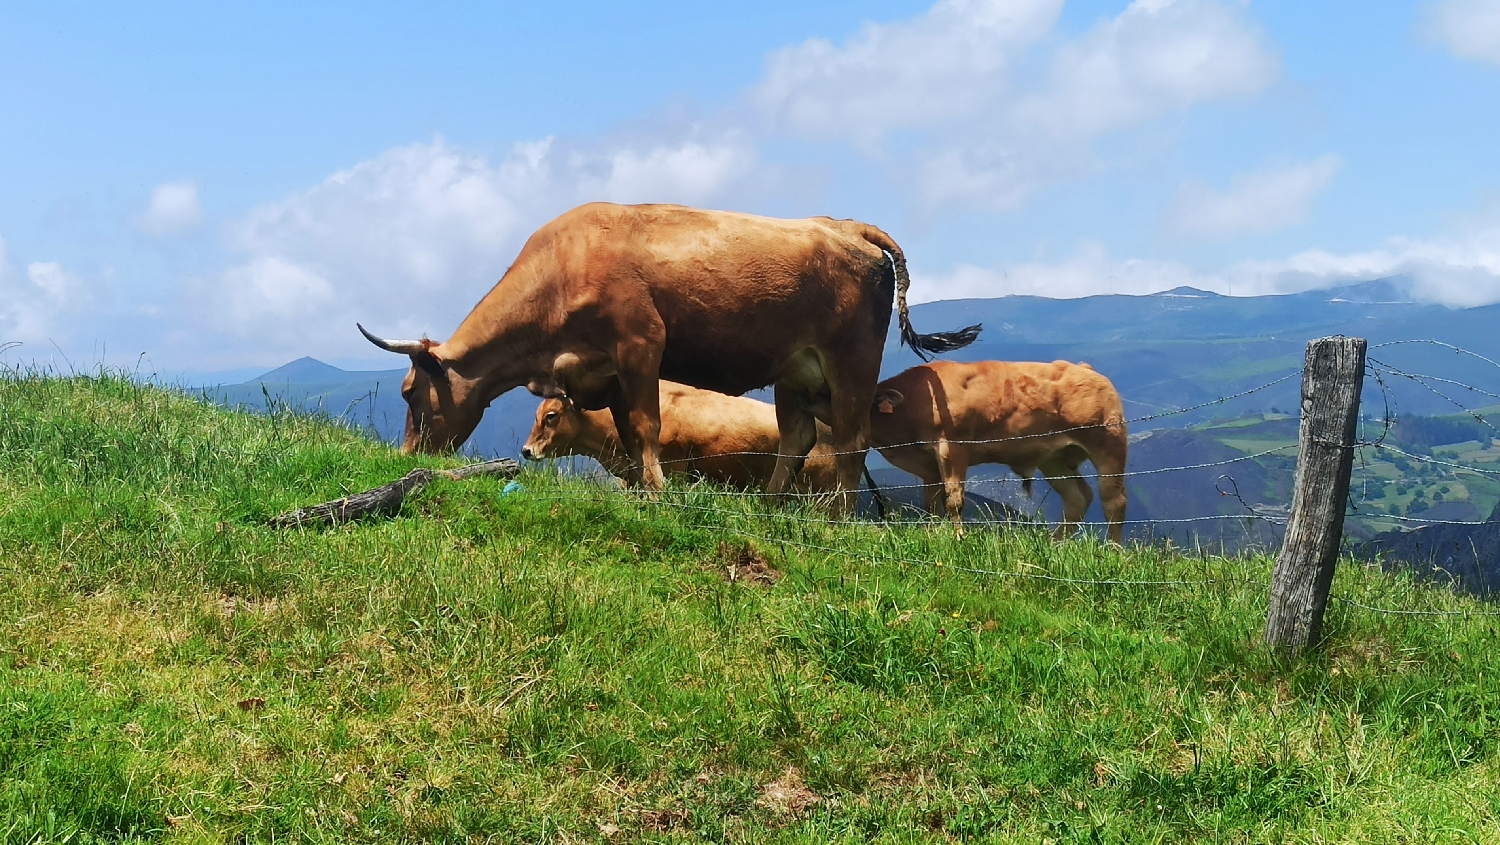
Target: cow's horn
x=404 y=347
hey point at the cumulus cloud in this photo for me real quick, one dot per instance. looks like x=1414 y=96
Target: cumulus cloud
x=1461 y=271
x=949 y=62
x=172 y=211
x=408 y=241
x=1156 y=58
x=1468 y=28
x=1254 y=203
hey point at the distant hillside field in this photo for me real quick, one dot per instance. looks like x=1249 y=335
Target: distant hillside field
x=572 y=663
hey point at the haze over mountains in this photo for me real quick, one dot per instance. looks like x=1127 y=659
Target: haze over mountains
x=1164 y=351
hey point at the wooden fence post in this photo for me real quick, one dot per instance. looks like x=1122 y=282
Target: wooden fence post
x=1331 y=380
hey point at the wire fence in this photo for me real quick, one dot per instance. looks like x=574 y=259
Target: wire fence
x=779 y=527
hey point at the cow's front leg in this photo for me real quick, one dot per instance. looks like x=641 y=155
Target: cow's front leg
x=799 y=432
x=637 y=414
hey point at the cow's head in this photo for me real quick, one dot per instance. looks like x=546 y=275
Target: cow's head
x=887 y=399
x=558 y=424
x=439 y=416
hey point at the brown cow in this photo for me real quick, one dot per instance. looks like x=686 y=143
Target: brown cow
x=730 y=439
x=937 y=420
x=606 y=299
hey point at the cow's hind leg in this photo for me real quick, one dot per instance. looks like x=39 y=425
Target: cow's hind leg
x=1109 y=460
x=852 y=394
x=1062 y=474
x=799 y=432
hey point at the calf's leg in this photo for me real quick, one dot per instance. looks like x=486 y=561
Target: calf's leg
x=1063 y=476
x=953 y=466
x=1109 y=460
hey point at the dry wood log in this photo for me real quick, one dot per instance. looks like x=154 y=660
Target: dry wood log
x=386 y=499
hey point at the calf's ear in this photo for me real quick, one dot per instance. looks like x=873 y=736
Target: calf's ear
x=886 y=400
x=546 y=389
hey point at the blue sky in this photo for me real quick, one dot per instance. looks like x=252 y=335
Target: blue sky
x=223 y=188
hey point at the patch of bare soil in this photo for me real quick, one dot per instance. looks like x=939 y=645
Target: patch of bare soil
x=741 y=563
x=787 y=795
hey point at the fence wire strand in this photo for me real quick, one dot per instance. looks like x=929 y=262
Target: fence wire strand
x=1018 y=518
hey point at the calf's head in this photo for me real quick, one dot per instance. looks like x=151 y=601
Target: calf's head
x=558 y=425
x=886 y=426
x=439 y=413
x=886 y=400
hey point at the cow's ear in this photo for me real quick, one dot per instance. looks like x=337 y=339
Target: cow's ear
x=429 y=363
x=886 y=400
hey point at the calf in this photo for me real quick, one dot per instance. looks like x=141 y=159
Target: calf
x=729 y=439
x=938 y=419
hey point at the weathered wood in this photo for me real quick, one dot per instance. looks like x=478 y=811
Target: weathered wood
x=1331 y=380
x=386 y=499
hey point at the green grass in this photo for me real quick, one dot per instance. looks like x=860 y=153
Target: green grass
x=570 y=664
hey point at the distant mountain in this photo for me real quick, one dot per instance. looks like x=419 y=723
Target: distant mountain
x=1467 y=556
x=305 y=370
x=1185 y=346
x=1164 y=351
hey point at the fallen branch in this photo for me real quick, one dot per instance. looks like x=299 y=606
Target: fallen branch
x=386 y=499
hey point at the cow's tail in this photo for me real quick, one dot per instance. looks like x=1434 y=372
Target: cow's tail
x=922 y=344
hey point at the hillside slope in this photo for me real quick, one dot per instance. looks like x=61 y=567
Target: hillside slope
x=571 y=663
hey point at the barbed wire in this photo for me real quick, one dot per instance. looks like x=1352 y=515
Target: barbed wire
x=1438 y=461
x=1009 y=438
x=1423 y=521
x=1025 y=574
x=1020 y=519
x=1431 y=342
x=1394 y=611
x=1038 y=576
x=1047 y=577
x=1457 y=404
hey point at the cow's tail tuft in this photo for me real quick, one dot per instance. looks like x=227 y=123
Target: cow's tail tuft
x=925 y=345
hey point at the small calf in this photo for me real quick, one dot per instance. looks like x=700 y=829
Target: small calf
x=729 y=439
x=937 y=420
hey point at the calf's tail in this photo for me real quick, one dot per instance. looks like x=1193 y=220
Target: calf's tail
x=924 y=345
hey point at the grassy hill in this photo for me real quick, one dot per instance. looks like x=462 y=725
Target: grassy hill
x=572 y=664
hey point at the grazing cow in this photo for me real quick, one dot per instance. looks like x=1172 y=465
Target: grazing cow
x=937 y=420
x=606 y=299
x=730 y=439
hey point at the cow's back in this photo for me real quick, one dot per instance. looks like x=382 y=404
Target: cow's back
x=1004 y=411
x=736 y=294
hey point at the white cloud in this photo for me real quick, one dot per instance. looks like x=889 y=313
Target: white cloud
x=56 y=285
x=172 y=211
x=1254 y=203
x=949 y=62
x=32 y=306
x=1461 y=271
x=689 y=173
x=408 y=241
x=1156 y=58
x=1469 y=28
